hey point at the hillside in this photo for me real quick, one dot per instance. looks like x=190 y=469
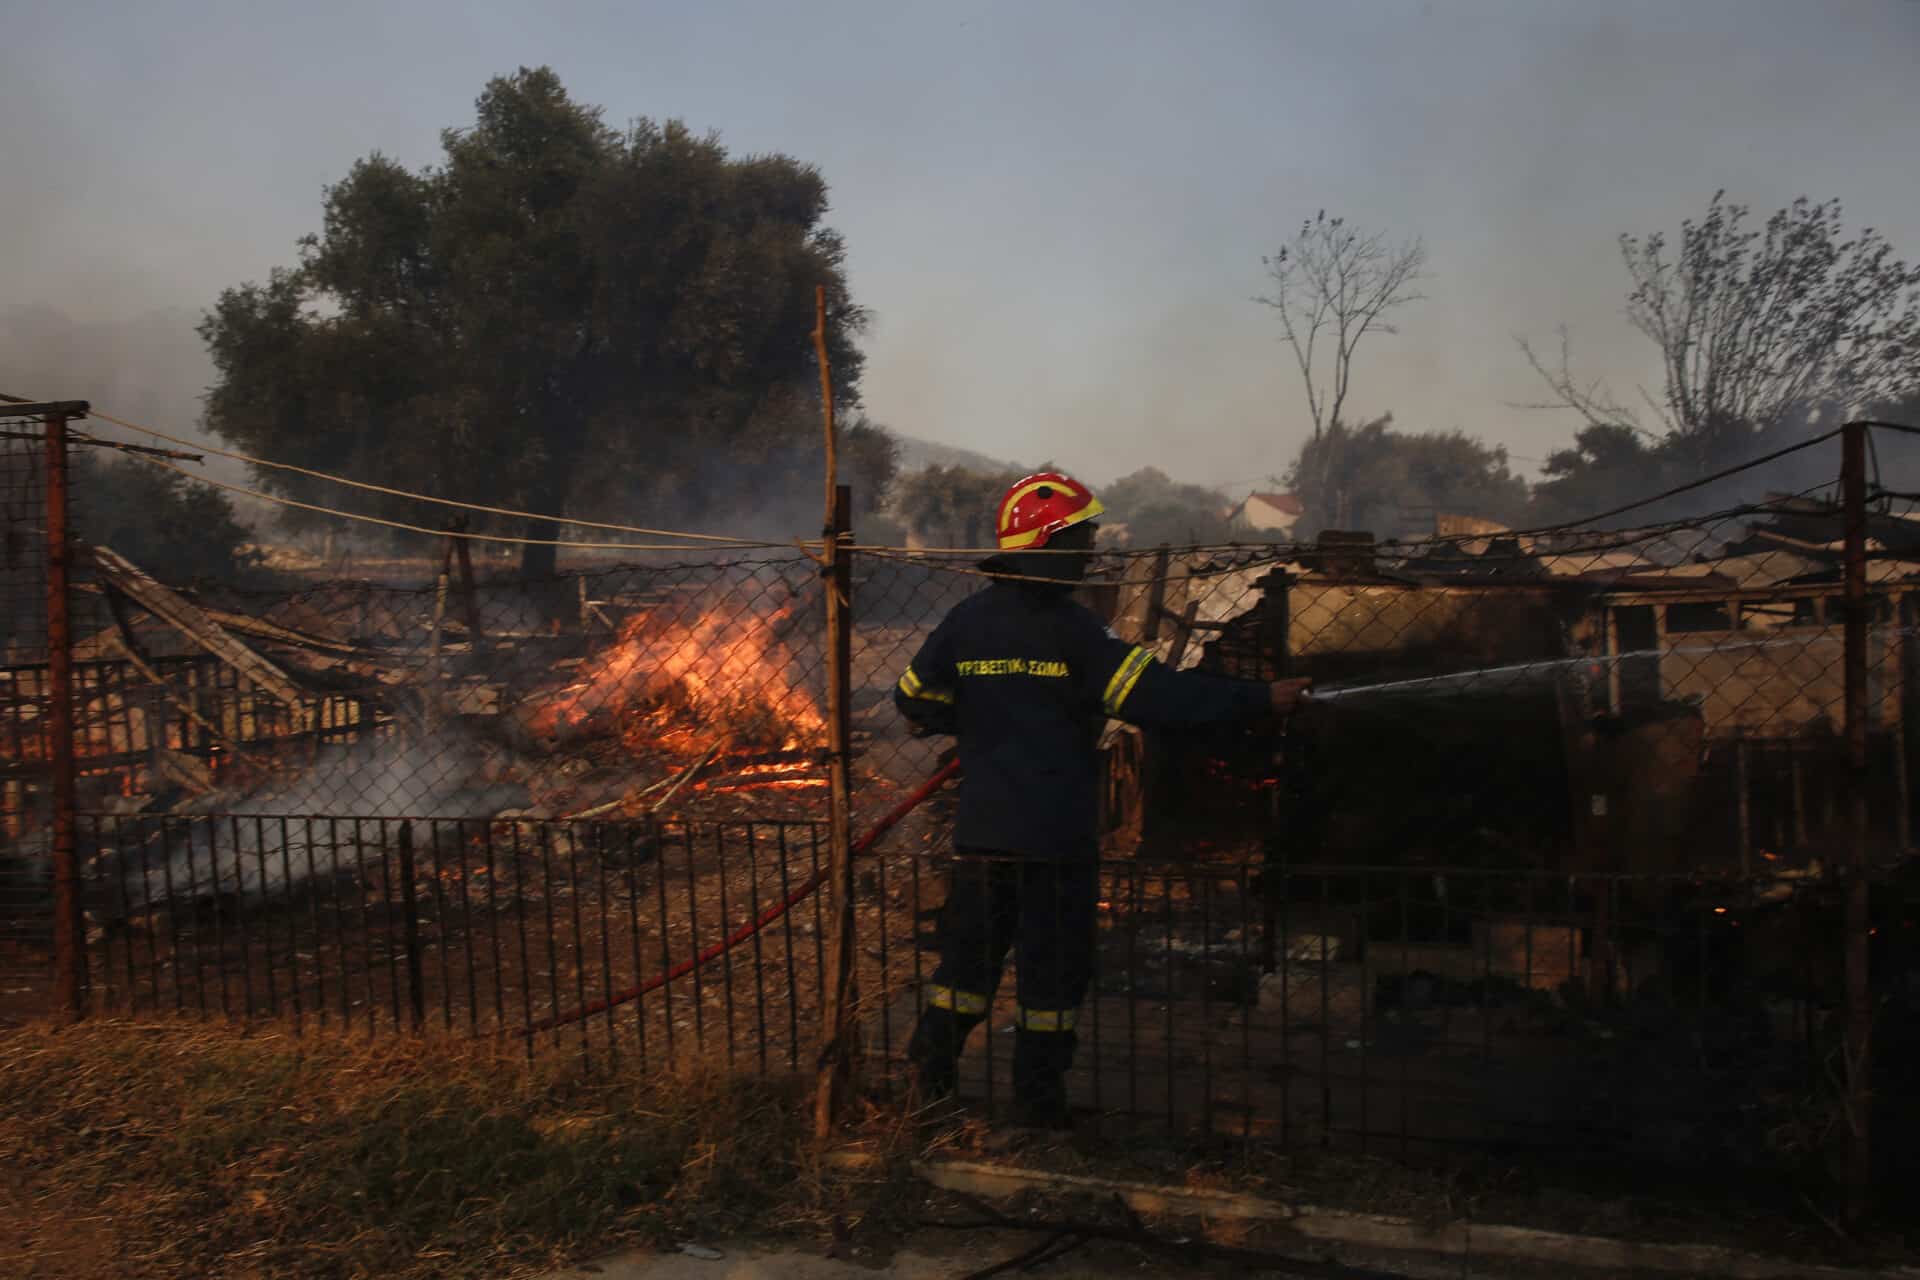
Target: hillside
x=916 y=453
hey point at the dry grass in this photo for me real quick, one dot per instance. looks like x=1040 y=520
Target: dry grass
x=188 y=1150
x=170 y=1149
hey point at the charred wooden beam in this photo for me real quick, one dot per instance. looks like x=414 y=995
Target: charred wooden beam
x=691 y=772
x=260 y=629
x=192 y=621
x=123 y=634
x=16 y=407
x=1156 y=597
x=184 y=771
x=1184 y=628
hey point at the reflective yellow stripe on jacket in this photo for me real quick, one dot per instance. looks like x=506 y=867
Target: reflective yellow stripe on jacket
x=914 y=687
x=1046 y=1019
x=1125 y=676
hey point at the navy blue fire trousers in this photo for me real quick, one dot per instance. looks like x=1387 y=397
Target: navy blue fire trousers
x=1046 y=913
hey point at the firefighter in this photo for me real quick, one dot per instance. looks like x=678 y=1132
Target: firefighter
x=1027 y=677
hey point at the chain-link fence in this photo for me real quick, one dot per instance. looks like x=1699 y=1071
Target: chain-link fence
x=1556 y=792
x=1656 y=700
x=1562 y=853
x=1657 y=1022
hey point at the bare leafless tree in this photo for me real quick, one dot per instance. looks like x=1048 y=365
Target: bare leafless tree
x=1332 y=286
x=1757 y=328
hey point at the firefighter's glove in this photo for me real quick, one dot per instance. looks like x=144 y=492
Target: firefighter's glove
x=1287 y=695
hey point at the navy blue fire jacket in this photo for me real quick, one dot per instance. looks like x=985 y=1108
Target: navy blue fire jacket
x=1027 y=677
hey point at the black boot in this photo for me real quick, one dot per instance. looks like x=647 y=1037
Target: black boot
x=934 y=1053
x=1040 y=1062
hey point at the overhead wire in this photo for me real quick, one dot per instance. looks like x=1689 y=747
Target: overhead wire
x=121 y=446
x=467 y=535
x=413 y=495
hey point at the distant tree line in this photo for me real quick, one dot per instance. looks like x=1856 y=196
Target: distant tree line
x=570 y=318
x=1765 y=337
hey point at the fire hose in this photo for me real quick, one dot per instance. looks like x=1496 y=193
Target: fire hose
x=765 y=918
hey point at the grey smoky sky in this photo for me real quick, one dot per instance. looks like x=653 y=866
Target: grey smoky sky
x=1056 y=210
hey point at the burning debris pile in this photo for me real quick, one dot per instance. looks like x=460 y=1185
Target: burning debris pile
x=260 y=749
x=718 y=690
x=685 y=692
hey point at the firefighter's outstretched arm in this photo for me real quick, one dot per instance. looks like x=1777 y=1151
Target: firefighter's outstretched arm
x=1137 y=687
x=927 y=691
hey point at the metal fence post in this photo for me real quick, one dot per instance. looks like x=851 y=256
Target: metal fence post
x=1276 y=622
x=1859 y=1020
x=69 y=938
x=410 y=924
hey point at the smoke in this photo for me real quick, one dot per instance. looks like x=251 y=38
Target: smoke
x=448 y=775
x=149 y=367
x=275 y=845
x=753 y=488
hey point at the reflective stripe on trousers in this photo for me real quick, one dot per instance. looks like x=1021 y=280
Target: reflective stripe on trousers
x=969 y=1003
x=1046 y=1019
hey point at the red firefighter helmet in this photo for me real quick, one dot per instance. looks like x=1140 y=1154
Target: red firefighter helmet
x=1040 y=506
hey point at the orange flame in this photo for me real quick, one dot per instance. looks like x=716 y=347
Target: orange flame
x=668 y=684
x=778 y=776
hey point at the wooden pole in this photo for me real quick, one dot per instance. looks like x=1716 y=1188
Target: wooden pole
x=838 y=1029
x=437 y=692
x=470 y=603
x=826 y=396
x=1859 y=1020
x=1156 y=597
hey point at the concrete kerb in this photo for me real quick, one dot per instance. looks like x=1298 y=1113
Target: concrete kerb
x=1377 y=1231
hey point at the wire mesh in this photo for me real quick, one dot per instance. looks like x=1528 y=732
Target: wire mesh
x=1542 y=774
x=1639 y=699
x=1648 y=1021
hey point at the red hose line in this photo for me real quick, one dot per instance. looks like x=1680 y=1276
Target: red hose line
x=765 y=918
